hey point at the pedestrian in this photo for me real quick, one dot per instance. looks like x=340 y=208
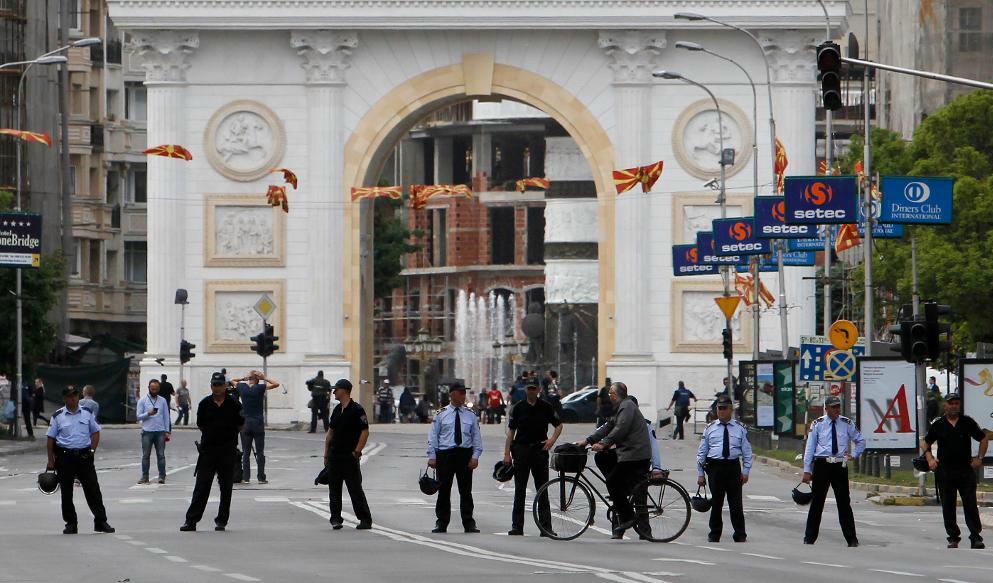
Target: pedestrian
x=166 y=390
x=825 y=463
x=933 y=401
x=73 y=438
x=726 y=456
x=955 y=468
x=423 y=410
x=252 y=395
x=219 y=417
x=634 y=452
x=89 y=403
x=527 y=446
x=481 y=408
x=495 y=405
x=183 y=403
x=156 y=426
x=320 y=395
x=605 y=409
x=681 y=398
x=38 y=403
x=384 y=398
x=454 y=447
x=407 y=405
x=343 y=444
x=26 y=398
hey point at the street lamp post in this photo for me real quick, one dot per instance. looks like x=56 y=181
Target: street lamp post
x=423 y=345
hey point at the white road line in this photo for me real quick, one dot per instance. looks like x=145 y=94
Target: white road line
x=642 y=577
x=901 y=573
x=122 y=537
x=136 y=543
x=156 y=550
x=207 y=568
x=713 y=548
x=825 y=564
x=272 y=499
x=135 y=500
x=762 y=497
x=763 y=556
x=953 y=581
x=175 y=559
x=7 y=502
x=694 y=561
x=241 y=577
x=179 y=469
x=369 y=451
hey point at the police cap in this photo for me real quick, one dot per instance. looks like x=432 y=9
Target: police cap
x=217 y=379
x=832 y=401
x=457 y=387
x=953 y=396
x=70 y=390
x=724 y=401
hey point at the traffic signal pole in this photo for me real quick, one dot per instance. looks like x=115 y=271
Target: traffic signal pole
x=182 y=337
x=920 y=368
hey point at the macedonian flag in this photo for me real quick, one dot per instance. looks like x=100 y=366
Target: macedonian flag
x=276 y=196
x=847 y=238
x=646 y=176
x=743 y=284
x=780 y=166
x=534 y=182
x=288 y=175
x=394 y=192
x=41 y=138
x=170 y=151
x=421 y=193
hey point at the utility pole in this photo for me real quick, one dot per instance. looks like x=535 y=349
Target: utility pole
x=867 y=194
x=920 y=367
x=68 y=249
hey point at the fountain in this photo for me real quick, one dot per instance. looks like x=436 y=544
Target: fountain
x=479 y=322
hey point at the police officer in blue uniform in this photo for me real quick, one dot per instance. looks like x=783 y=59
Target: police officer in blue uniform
x=825 y=462
x=73 y=437
x=454 y=447
x=724 y=443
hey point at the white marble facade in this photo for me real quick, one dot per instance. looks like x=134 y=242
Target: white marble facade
x=249 y=84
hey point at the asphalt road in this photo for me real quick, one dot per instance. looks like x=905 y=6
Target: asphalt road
x=280 y=531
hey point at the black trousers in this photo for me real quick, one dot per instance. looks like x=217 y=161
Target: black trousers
x=253 y=435
x=963 y=481
x=725 y=482
x=319 y=411
x=346 y=469
x=73 y=464
x=620 y=481
x=36 y=414
x=213 y=461
x=26 y=412
x=835 y=476
x=183 y=415
x=681 y=414
x=453 y=465
x=530 y=461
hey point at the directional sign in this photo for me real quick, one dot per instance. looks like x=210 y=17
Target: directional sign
x=916 y=199
x=20 y=239
x=813 y=353
x=843 y=334
x=821 y=200
x=737 y=237
x=708 y=255
x=686 y=261
x=728 y=305
x=770 y=220
x=265 y=306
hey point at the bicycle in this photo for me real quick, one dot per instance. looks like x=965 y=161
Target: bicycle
x=661 y=504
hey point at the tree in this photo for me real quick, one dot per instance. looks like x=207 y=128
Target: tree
x=391 y=241
x=40 y=289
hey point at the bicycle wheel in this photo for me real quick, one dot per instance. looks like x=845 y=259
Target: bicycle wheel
x=570 y=508
x=663 y=509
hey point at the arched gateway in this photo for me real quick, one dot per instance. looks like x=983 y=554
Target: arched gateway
x=327 y=87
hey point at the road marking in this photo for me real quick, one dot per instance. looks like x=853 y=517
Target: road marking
x=902 y=573
x=713 y=548
x=953 y=581
x=414 y=501
x=156 y=550
x=369 y=451
x=122 y=537
x=763 y=556
x=643 y=577
x=272 y=499
x=241 y=577
x=175 y=559
x=765 y=498
x=135 y=500
x=136 y=543
x=694 y=561
x=207 y=568
x=825 y=564
x=179 y=469
x=7 y=502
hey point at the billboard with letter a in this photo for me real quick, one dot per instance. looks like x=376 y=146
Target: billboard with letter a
x=886 y=411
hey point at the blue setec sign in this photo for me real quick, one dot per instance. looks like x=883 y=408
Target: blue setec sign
x=770 y=220
x=821 y=200
x=708 y=252
x=737 y=237
x=686 y=261
x=916 y=200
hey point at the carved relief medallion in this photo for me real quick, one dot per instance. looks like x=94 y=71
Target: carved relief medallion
x=244 y=140
x=697 y=133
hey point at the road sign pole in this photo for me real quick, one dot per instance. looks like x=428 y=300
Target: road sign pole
x=182 y=337
x=734 y=403
x=265 y=375
x=920 y=368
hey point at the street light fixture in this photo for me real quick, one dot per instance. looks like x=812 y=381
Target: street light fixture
x=423 y=345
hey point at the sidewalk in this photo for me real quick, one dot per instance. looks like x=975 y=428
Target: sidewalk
x=12 y=447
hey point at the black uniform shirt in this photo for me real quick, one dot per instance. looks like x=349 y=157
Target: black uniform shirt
x=219 y=424
x=954 y=446
x=531 y=421
x=347 y=424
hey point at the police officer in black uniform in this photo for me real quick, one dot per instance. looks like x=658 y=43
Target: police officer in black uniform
x=220 y=419
x=528 y=445
x=955 y=468
x=343 y=446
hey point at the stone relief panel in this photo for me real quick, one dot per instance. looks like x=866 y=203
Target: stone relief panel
x=571 y=220
x=231 y=317
x=565 y=161
x=573 y=281
x=696 y=138
x=693 y=213
x=697 y=321
x=244 y=140
x=242 y=230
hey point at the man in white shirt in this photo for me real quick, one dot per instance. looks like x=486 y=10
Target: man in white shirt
x=156 y=427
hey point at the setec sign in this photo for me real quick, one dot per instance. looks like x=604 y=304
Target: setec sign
x=770 y=220
x=20 y=239
x=686 y=261
x=917 y=200
x=821 y=200
x=708 y=252
x=737 y=237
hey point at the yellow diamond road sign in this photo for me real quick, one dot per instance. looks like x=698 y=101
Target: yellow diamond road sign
x=265 y=306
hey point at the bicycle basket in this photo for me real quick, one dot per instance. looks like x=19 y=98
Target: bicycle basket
x=568 y=457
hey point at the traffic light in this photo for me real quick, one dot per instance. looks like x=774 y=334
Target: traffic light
x=913 y=340
x=264 y=344
x=726 y=343
x=186 y=353
x=258 y=344
x=829 y=74
x=935 y=329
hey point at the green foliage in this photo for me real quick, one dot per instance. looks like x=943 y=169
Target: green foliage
x=391 y=241
x=6 y=199
x=40 y=289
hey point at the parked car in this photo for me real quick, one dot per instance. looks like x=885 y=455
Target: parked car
x=580 y=406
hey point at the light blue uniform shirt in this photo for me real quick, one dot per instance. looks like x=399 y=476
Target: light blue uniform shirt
x=91 y=406
x=656 y=455
x=161 y=421
x=819 y=440
x=73 y=430
x=712 y=445
x=442 y=435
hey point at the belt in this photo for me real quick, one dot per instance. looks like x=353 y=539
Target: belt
x=721 y=462
x=73 y=451
x=830 y=459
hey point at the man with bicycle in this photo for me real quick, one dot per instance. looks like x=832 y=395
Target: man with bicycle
x=626 y=431
x=724 y=442
x=528 y=444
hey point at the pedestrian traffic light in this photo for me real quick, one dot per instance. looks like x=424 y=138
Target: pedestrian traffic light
x=829 y=74
x=935 y=329
x=727 y=343
x=186 y=353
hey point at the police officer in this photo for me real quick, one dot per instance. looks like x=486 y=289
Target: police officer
x=343 y=446
x=320 y=393
x=73 y=437
x=724 y=442
x=955 y=468
x=220 y=419
x=825 y=461
x=527 y=446
x=681 y=399
x=454 y=447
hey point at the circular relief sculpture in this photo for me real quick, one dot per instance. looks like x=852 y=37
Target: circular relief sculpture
x=696 y=138
x=244 y=140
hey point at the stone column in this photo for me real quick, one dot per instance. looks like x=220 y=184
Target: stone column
x=634 y=55
x=325 y=54
x=165 y=56
x=793 y=60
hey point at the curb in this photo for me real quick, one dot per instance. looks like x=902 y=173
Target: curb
x=17 y=447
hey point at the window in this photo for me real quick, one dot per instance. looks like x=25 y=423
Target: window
x=76 y=16
x=502 y=235
x=77 y=265
x=970 y=27
x=137 y=188
x=135 y=102
x=72 y=179
x=414 y=303
x=437 y=222
x=135 y=261
x=536 y=235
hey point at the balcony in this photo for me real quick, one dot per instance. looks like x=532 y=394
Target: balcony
x=96 y=55
x=91 y=215
x=96 y=136
x=91 y=301
x=79 y=135
x=134 y=220
x=122 y=138
x=114 y=52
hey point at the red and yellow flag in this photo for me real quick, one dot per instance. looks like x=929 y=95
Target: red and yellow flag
x=780 y=166
x=534 y=182
x=646 y=176
x=743 y=284
x=847 y=238
x=170 y=151
x=394 y=192
x=288 y=175
x=421 y=193
x=276 y=196
x=650 y=175
x=40 y=137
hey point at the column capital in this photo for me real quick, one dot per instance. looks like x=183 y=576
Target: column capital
x=792 y=56
x=633 y=53
x=325 y=54
x=164 y=54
